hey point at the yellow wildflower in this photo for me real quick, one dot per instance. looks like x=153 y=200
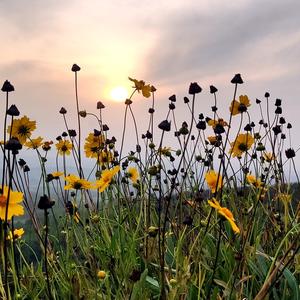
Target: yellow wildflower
x=242 y=143
x=165 y=151
x=34 y=143
x=22 y=129
x=140 y=85
x=214 y=123
x=240 y=106
x=268 y=156
x=57 y=174
x=133 y=174
x=254 y=181
x=101 y=274
x=213 y=180
x=64 y=147
x=16 y=235
x=225 y=212
x=94 y=144
x=74 y=182
x=106 y=178
x=14 y=206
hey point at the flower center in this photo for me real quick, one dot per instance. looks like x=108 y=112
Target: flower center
x=23 y=130
x=243 y=147
x=77 y=185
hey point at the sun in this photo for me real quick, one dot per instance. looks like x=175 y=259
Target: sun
x=119 y=94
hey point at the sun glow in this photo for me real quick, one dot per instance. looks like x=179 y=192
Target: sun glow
x=119 y=94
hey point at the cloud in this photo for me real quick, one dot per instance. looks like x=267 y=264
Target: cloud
x=32 y=17
x=200 y=43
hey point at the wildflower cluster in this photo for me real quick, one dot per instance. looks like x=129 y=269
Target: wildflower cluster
x=210 y=215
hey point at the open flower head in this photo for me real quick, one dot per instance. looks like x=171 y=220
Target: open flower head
x=242 y=143
x=214 y=123
x=74 y=182
x=225 y=212
x=106 y=178
x=14 y=206
x=57 y=174
x=269 y=156
x=133 y=174
x=64 y=147
x=34 y=143
x=22 y=129
x=140 y=86
x=165 y=151
x=240 y=106
x=16 y=235
x=251 y=179
x=213 y=180
x=94 y=144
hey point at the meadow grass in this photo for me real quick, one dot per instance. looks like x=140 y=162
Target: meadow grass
x=211 y=216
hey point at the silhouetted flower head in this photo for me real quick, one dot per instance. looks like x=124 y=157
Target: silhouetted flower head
x=290 y=153
x=165 y=125
x=13 y=111
x=276 y=129
x=186 y=100
x=128 y=101
x=237 y=79
x=13 y=144
x=278 y=110
x=258 y=101
x=45 y=202
x=82 y=113
x=267 y=95
x=72 y=132
x=212 y=89
x=62 y=111
x=7 y=87
x=289 y=126
x=201 y=125
x=75 y=68
x=194 y=88
x=148 y=135
x=21 y=162
x=105 y=127
x=100 y=105
x=172 y=98
x=248 y=127
x=282 y=120
x=26 y=169
x=278 y=102
x=171 y=106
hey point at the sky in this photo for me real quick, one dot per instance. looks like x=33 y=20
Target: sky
x=166 y=43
